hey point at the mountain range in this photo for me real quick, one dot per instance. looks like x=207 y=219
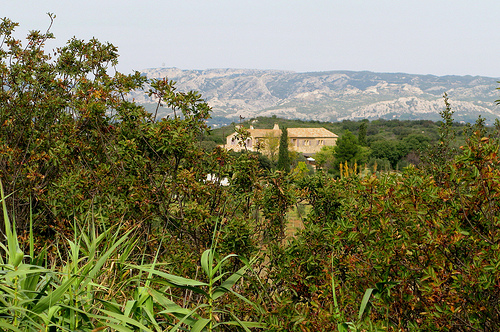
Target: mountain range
x=331 y=95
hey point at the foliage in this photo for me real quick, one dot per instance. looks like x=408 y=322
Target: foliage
x=271 y=146
x=412 y=136
x=440 y=154
x=283 y=153
x=301 y=171
x=141 y=198
x=325 y=157
x=54 y=117
x=346 y=149
x=76 y=295
x=362 y=133
x=207 y=315
x=390 y=150
x=428 y=247
x=70 y=142
x=65 y=298
x=277 y=198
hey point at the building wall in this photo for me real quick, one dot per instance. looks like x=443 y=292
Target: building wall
x=233 y=144
x=307 y=145
x=311 y=145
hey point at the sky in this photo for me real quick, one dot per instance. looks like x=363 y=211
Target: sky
x=439 y=37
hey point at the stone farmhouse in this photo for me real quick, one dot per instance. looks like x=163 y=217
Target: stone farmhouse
x=307 y=141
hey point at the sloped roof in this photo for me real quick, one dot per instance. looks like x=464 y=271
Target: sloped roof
x=264 y=132
x=294 y=133
x=311 y=132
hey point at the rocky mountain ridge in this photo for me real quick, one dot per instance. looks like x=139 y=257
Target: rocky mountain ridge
x=333 y=95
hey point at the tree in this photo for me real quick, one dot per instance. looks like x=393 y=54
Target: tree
x=325 y=157
x=416 y=142
x=347 y=148
x=391 y=150
x=271 y=146
x=362 y=133
x=58 y=114
x=283 y=154
x=71 y=143
x=74 y=149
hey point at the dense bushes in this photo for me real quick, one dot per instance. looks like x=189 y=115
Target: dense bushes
x=430 y=246
x=415 y=249
x=71 y=143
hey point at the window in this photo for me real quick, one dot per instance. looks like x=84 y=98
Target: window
x=321 y=142
x=306 y=142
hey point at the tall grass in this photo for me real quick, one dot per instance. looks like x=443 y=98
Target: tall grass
x=63 y=297
x=207 y=314
x=96 y=286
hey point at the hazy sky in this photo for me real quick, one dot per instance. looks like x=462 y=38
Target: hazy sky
x=440 y=37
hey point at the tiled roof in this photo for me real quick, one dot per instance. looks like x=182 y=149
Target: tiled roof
x=310 y=132
x=264 y=132
x=294 y=133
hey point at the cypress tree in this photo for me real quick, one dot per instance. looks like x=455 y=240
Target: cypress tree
x=362 y=134
x=283 y=155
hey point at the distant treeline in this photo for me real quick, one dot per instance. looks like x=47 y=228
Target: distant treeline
x=390 y=144
x=376 y=129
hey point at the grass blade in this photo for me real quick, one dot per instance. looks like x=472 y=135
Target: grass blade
x=364 y=302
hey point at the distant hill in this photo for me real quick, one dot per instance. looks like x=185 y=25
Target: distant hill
x=333 y=95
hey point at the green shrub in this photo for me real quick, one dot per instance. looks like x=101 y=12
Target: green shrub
x=434 y=242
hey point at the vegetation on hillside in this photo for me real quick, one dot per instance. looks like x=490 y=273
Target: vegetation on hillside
x=114 y=220
x=385 y=144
